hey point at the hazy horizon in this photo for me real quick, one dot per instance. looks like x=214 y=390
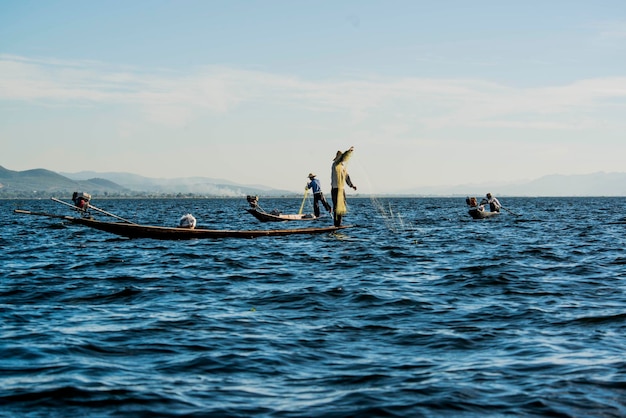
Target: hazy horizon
x=591 y=184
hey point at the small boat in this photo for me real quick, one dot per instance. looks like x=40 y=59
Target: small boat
x=275 y=216
x=132 y=230
x=263 y=216
x=477 y=211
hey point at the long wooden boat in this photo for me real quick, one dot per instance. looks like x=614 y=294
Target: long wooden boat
x=475 y=213
x=132 y=230
x=263 y=216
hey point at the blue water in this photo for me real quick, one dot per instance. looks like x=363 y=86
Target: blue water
x=418 y=311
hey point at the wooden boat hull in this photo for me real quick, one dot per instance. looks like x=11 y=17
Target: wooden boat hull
x=481 y=214
x=268 y=217
x=168 y=233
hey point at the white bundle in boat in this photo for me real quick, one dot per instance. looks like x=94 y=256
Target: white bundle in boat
x=187 y=221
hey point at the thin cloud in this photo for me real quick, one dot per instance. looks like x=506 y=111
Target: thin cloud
x=175 y=98
x=611 y=30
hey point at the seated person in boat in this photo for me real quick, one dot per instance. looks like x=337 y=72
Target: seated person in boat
x=81 y=200
x=472 y=202
x=187 y=221
x=253 y=201
x=494 y=203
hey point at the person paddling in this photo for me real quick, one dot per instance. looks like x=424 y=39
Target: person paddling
x=318 y=196
x=494 y=203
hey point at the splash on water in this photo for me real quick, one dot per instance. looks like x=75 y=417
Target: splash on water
x=393 y=221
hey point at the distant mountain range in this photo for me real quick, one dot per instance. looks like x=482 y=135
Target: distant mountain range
x=188 y=185
x=46 y=183
x=595 y=184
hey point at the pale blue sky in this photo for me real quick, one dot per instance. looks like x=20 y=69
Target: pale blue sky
x=263 y=92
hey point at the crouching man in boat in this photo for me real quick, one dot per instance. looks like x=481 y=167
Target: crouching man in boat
x=187 y=221
x=253 y=201
x=494 y=203
x=318 y=196
x=472 y=202
x=339 y=175
x=81 y=200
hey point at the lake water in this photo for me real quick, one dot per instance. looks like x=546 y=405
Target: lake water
x=417 y=311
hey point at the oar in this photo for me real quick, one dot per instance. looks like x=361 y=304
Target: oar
x=510 y=211
x=49 y=215
x=66 y=204
x=110 y=214
x=306 y=191
x=94 y=208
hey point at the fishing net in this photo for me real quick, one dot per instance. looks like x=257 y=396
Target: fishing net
x=340 y=173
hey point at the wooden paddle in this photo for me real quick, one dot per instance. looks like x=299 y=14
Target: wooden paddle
x=94 y=208
x=510 y=211
x=306 y=191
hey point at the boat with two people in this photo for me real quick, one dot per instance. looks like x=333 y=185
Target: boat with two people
x=477 y=210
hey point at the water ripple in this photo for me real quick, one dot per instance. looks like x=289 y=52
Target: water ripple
x=417 y=312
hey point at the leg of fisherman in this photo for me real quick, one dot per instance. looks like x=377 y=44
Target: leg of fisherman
x=334 y=193
x=316 y=205
x=324 y=202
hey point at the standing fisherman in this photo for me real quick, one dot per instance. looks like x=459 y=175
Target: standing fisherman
x=318 y=196
x=339 y=175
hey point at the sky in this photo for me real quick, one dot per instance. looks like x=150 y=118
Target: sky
x=429 y=93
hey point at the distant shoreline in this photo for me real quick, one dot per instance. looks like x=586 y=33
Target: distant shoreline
x=96 y=197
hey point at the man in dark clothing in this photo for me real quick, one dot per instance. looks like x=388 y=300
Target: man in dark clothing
x=318 y=196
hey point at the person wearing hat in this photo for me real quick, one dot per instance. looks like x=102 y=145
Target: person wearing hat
x=318 y=196
x=339 y=175
x=494 y=203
